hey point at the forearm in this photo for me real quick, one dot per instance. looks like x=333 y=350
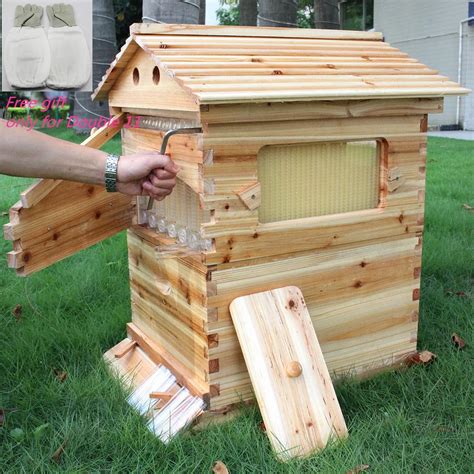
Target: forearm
x=36 y=155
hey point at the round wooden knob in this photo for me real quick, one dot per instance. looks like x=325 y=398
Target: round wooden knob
x=294 y=369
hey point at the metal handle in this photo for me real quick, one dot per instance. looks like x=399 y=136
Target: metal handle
x=164 y=145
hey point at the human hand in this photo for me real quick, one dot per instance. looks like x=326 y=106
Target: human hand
x=149 y=174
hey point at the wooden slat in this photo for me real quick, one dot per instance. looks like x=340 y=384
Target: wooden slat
x=248 y=138
x=37 y=191
x=326 y=231
x=165 y=396
x=237 y=73
x=119 y=353
x=219 y=82
x=215 y=114
x=246 y=59
x=210 y=43
x=376 y=93
x=104 y=134
x=253 y=41
x=321 y=85
x=355 y=271
x=251 y=139
x=160 y=29
x=288 y=372
x=250 y=195
x=196 y=49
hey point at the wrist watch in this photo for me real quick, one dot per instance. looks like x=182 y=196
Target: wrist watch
x=111 y=167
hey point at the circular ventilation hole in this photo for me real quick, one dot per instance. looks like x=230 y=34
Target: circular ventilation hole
x=156 y=75
x=136 y=76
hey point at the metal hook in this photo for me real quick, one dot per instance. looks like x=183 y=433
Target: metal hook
x=164 y=145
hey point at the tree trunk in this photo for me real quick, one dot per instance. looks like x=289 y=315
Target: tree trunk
x=104 y=51
x=171 y=11
x=278 y=13
x=326 y=14
x=202 y=13
x=248 y=12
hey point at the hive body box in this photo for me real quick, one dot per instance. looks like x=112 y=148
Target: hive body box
x=359 y=271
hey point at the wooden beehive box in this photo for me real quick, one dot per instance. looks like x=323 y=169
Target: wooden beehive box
x=309 y=171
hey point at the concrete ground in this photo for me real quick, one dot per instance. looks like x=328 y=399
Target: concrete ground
x=458 y=134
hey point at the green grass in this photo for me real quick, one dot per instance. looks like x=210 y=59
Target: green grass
x=416 y=420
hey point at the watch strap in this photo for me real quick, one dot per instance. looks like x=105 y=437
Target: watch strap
x=111 y=167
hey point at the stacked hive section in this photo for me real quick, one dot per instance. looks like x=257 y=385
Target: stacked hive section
x=358 y=265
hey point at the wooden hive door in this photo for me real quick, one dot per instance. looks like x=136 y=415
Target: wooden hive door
x=55 y=219
x=288 y=372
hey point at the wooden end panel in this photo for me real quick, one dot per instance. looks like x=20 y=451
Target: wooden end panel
x=55 y=219
x=70 y=218
x=137 y=87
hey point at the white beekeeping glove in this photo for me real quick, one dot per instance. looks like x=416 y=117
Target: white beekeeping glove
x=70 y=57
x=27 y=56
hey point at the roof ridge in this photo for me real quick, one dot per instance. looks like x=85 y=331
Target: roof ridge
x=251 y=31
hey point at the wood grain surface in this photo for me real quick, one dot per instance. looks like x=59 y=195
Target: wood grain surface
x=288 y=372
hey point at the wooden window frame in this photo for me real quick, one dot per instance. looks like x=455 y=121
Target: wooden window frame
x=315 y=221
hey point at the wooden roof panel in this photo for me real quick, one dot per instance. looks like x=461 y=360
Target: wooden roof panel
x=229 y=64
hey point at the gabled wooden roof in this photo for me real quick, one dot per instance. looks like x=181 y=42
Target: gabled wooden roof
x=248 y=64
